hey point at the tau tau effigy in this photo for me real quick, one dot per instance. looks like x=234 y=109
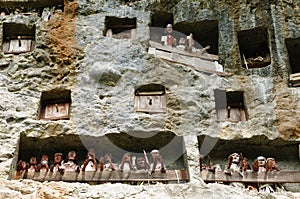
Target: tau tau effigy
x=263 y=177
x=131 y=168
x=177 y=47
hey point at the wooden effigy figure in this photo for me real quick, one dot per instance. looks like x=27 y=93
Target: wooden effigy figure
x=90 y=163
x=71 y=164
x=22 y=167
x=106 y=163
x=157 y=162
x=58 y=158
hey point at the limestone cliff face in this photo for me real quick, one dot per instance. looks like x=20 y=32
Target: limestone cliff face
x=72 y=53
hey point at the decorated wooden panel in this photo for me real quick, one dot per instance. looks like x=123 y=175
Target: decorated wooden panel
x=18 y=46
x=232 y=114
x=57 y=111
x=150 y=103
x=106 y=176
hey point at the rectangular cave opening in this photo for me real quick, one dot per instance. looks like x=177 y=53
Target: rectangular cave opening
x=109 y=152
x=45 y=10
x=254 y=48
x=18 y=38
x=285 y=154
x=150 y=98
x=29 y=4
x=205 y=34
x=120 y=28
x=293 y=48
x=230 y=105
x=55 y=105
x=159 y=22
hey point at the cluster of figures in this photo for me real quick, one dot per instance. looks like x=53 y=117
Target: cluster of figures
x=240 y=164
x=187 y=44
x=91 y=164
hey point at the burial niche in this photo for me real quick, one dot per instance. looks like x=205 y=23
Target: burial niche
x=254 y=48
x=159 y=21
x=55 y=105
x=150 y=98
x=29 y=4
x=18 y=38
x=229 y=105
x=220 y=156
x=120 y=28
x=293 y=47
x=116 y=157
x=205 y=33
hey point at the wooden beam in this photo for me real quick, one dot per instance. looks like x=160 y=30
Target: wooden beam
x=196 y=63
x=111 y=176
x=295 y=77
x=252 y=177
x=129 y=26
x=182 y=52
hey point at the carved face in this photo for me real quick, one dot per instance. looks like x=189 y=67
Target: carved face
x=126 y=157
x=22 y=165
x=245 y=162
x=108 y=157
x=33 y=161
x=169 y=29
x=182 y=41
x=155 y=155
x=44 y=159
x=261 y=161
x=141 y=163
x=235 y=158
x=271 y=162
x=91 y=155
x=57 y=158
x=72 y=155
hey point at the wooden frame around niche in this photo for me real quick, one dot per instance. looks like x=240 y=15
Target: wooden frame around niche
x=230 y=105
x=281 y=150
x=150 y=99
x=254 y=48
x=55 y=105
x=18 y=38
x=171 y=147
x=120 y=28
x=293 y=48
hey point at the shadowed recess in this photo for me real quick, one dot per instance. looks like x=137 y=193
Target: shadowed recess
x=170 y=146
x=253 y=147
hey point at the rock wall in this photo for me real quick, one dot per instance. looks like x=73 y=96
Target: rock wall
x=72 y=53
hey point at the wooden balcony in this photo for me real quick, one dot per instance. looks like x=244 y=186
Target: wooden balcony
x=252 y=177
x=295 y=79
x=177 y=176
x=203 y=62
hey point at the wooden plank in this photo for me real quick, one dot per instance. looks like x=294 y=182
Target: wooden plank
x=57 y=111
x=131 y=26
x=252 y=177
x=150 y=103
x=295 y=77
x=113 y=176
x=182 y=52
x=192 y=62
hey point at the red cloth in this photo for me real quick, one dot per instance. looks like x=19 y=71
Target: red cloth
x=170 y=39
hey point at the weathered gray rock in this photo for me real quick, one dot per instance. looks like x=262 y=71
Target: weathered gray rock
x=103 y=74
